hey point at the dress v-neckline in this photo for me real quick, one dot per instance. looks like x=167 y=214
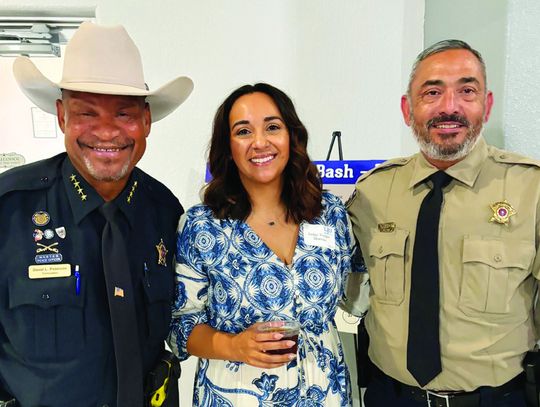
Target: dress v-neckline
x=273 y=254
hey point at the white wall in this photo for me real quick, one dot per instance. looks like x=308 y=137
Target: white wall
x=482 y=24
x=345 y=63
x=522 y=103
x=16 y=127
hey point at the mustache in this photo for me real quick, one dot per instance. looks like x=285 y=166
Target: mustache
x=448 y=118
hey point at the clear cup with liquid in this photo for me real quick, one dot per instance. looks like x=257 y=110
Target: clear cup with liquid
x=288 y=328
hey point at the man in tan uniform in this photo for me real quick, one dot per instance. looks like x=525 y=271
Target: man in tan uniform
x=486 y=246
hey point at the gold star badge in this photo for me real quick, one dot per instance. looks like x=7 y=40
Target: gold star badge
x=162 y=253
x=502 y=212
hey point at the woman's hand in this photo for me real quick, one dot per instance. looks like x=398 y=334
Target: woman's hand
x=253 y=347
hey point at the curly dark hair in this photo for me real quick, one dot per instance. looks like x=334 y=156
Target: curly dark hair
x=302 y=188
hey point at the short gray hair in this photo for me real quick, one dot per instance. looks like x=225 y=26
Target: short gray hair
x=442 y=46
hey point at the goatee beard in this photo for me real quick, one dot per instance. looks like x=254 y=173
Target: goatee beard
x=106 y=177
x=451 y=152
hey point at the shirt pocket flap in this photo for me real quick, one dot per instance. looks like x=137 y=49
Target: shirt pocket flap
x=385 y=244
x=498 y=253
x=44 y=293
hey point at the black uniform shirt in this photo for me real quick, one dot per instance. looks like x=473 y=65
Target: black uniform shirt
x=56 y=346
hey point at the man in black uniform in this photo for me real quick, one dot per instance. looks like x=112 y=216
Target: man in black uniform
x=86 y=275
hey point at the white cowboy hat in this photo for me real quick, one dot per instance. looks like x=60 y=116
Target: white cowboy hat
x=100 y=59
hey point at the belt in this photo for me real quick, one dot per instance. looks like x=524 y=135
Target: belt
x=455 y=398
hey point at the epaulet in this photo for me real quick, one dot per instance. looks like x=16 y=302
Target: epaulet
x=159 y=192
x=385 y=165
x=509 y=157
x=38 y=175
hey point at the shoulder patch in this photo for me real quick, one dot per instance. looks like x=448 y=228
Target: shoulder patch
x=387 y=164
x=509 y=157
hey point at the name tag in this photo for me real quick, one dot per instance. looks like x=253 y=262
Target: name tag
x=320 y=235
x=49 y=271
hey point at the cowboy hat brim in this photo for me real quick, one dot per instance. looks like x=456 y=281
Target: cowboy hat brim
x=44 y=93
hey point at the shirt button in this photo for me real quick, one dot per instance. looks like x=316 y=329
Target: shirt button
x=380 y=249
x=45 y=296
x=44 y=179
x=502 y=156
x=497 y=258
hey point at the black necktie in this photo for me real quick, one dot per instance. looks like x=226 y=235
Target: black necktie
x=120 y=294
x=423 y=346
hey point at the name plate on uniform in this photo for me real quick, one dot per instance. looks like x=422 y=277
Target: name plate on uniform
x=49 y=271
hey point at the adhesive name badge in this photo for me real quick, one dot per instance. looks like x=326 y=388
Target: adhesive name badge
x=49 y=271
x=320 y=235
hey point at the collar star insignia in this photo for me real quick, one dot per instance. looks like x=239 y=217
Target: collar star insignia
x=130 y=196
x=501 y=212
x=162 y=253
x=77 y=187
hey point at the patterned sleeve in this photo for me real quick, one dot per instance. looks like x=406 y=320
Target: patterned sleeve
x=189 y=307
x=337 y=216
x=356 y=293
x=355 y=280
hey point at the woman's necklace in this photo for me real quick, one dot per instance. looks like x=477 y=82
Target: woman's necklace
x=269 y=222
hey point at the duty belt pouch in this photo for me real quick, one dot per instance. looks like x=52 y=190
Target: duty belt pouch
x=162 y=382
x=531 y=365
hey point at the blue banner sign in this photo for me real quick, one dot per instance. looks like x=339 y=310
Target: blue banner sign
x=344 y=171
x=335 y=172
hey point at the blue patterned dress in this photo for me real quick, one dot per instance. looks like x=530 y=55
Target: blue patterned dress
x=229 y=279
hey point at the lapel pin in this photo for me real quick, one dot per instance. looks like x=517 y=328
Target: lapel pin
x=38 y=235
x=40 y=218
x=44 y=248
x=61 y=232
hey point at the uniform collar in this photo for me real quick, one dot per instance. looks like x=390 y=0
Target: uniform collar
x=465 y=171
x=84 y=199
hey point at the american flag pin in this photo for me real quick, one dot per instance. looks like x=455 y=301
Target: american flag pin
x=118 y=292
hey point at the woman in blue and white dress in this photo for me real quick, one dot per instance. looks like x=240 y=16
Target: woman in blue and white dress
x=267 y=244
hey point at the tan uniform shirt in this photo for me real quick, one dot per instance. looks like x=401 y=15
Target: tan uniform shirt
x=486 y=268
